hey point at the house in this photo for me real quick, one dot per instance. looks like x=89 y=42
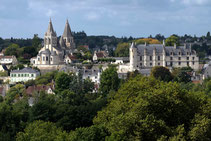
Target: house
x=37 y=89
x=23 y=75
x=99 y=55
x=8 y=60
x=70 y=59
x=120 y=60
x=92 y=74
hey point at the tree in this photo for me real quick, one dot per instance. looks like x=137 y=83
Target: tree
x=13 y=49
x=92 y=133
x=42 y=131
x=148 y=109
x=173 y=39
x=109 y=80
x=208 y=35
x=161 y=73
x=62 y=81
x=182 y=74
x=122 y=50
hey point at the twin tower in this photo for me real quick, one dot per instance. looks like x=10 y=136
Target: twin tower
x=66 y=41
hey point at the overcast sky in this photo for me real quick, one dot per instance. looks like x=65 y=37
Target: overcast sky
x=137 y=18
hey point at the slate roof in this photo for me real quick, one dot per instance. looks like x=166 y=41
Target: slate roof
x=25 y=70
x=159 y=48
x=67 y=30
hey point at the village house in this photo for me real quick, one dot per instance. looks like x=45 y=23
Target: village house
x=23 y=75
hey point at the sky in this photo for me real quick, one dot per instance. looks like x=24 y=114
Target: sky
x=137 y=18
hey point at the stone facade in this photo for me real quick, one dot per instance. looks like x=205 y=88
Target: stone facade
x=54 y=51
x=148 y=56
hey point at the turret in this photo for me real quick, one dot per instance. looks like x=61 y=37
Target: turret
x=133 y=57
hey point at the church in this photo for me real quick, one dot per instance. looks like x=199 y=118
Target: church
x=54 y=51
x=146 y=56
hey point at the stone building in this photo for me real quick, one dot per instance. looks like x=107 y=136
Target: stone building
x=54 y=51
x=23 y=75
x=147 y=56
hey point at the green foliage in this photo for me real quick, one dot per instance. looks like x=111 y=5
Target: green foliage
x=3 y=73
x=42 y=131
x=109 y=80
x=15 y=93
x=93 y=133
x=181 y=74
x=106 y=60
x=173 y=39
x=161 y=73
x=122 y=50
x=147 y=109
x=13 y=49
x=62 y=81
x=46 y=78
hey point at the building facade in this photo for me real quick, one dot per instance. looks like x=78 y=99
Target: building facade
x=23 y=75
x=148 y=56
x=54 y=51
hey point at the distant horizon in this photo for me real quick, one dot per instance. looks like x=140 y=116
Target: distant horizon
x=119 y=18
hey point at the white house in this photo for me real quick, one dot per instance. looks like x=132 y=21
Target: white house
x=6 y=60
x=23 y=75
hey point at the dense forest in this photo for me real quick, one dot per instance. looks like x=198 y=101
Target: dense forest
x=164 y=106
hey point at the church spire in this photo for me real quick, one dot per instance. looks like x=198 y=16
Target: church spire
x=67 y=30
x=50 y=27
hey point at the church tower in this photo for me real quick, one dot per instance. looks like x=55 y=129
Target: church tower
x=50 y=39
x=67 y=36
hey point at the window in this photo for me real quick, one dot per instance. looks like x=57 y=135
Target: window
x=14 y=75
x=21 y=75
x=187 y=58
x=32 y=75
x=193 y=63
x=158 y=64
x=179 y=63
x=43 y=58
x=171 y=58
x=25 y=75
x=187 y=63
x=158 y=57
x=179 y=58
x=150 y=64
x=38 y=58
x=193 y=58
x=179 y=53
x=140 y=64
x=150 y=58
x=171 y=64
x=47 y=58
x=18 y=75
x=140 y=58
x=51 y=59
x=172 y=53
x=187 y=53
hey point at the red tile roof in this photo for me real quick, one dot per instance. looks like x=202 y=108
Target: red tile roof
x=32 y=89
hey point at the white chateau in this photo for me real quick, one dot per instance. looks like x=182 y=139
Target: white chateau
x=53 y=53
x=148 y=56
